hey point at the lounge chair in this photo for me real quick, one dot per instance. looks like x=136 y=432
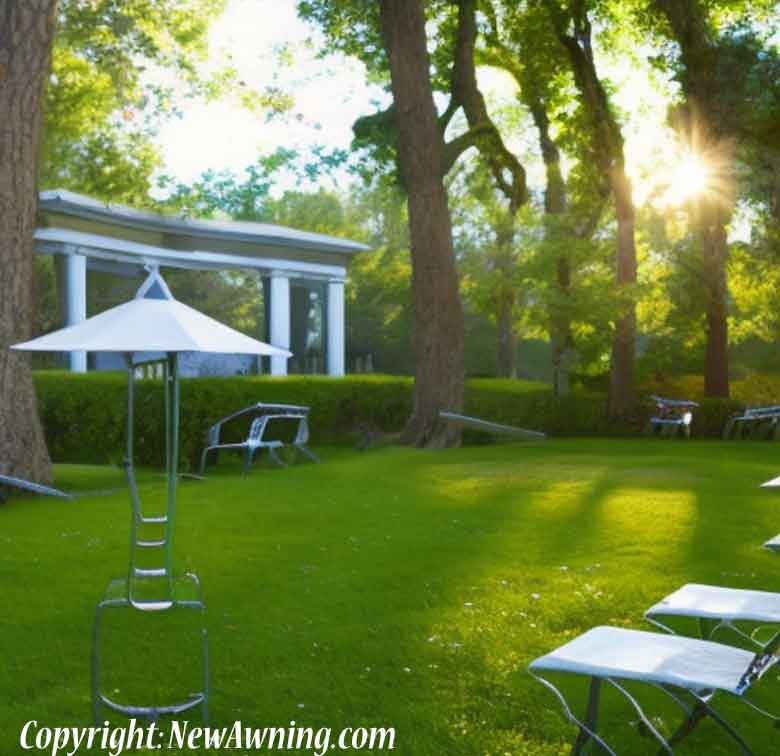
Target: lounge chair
x=715 y=608
x=690 y=671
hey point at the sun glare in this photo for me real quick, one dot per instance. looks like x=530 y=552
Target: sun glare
x=690 y=178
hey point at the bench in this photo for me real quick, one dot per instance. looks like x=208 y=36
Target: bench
x=264 y=431
x=672 y=416
x=756 y=421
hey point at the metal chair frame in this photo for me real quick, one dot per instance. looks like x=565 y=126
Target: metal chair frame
x=754 y=420
x=708 y=628
x=267 y=414
x=697 y=708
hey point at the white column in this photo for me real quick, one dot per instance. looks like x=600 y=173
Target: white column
x=335 y=328
x=76 y=302
x=280 y=320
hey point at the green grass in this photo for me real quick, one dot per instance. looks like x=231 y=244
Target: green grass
x=396 y=588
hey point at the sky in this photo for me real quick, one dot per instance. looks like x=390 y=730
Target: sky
x=331 y=92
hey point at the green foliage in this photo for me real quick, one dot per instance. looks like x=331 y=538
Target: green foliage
x=84 y=415
x=92 y=141
x=750 y=390
x=379 y=309
x=225 y=193
x=351 y=27
x=754 y=279
x=102 y=112
x=490 y=241
x=103 y=103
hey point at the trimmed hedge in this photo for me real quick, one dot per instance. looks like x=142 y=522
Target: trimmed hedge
x=84 y=414
x=753 y=389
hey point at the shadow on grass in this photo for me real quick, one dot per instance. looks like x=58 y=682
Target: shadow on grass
x=398 y=588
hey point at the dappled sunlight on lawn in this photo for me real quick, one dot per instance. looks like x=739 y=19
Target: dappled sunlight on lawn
x=640 y=520
x=560 y=501
x=397 y=587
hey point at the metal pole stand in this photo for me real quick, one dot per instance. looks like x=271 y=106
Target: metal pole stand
x=150 y=585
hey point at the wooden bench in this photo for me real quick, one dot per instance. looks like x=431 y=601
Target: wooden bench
x=672 y=416
x=269 y=422
x=754 y=422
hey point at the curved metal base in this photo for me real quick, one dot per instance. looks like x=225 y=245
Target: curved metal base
x=153 y=712
x=186 y=595
x=700 y=708
x=587 y=728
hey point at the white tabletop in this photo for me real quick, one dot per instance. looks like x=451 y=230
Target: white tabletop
x=650 y=657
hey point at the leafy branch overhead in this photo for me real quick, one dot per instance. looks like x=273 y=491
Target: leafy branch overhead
x=454 y=76
x=506 y=169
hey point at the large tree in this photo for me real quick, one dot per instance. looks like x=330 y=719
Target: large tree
x=393 y=135
x=26 y=34
x=438 y=310
x=702 y=129
x=572 y=24
x=520 y=41
x=508 y=176
x=709 y=121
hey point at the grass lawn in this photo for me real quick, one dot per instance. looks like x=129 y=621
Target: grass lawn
x=395 y=588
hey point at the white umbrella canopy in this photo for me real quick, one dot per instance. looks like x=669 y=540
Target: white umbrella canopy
x=150 y=325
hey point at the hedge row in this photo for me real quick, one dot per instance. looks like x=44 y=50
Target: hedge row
x=84 y=415
x=753 y=389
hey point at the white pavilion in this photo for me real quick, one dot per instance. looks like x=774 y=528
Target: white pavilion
x=303 y=273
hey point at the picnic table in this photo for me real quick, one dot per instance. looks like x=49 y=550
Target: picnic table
x=672 y=416
x=273 y=426
x=755 y=422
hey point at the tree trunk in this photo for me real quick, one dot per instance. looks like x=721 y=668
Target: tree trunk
x=575 y=32
x=561 y=341
x=705 y=130
x=506 y=296
x=560 y=331
x=621 y=373
x=438 y=333
x=714 y=248
x=506 y=357
x=26 y=34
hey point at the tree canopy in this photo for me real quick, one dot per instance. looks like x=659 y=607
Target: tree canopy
x=563 y=231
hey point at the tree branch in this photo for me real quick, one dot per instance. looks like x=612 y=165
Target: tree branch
x=466 y=92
